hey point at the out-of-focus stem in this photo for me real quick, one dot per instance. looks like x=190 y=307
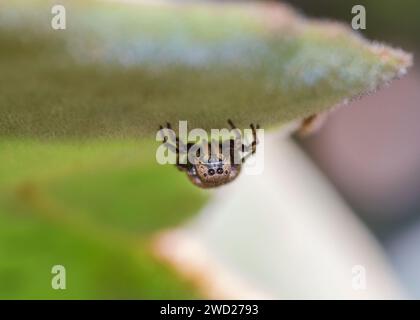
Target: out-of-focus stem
x=283 y=234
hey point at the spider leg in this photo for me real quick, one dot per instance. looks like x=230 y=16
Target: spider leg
x=238 y=136
x=165 y=138
x=166 y=141
x=231 y=124
x=173 y=148
x=254 y=142
x=168 y=125
x=245 y=157
x=234 y=152
x=254 y=136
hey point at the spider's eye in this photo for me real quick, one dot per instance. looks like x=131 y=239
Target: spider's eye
x=219 y=170
x=211 y=172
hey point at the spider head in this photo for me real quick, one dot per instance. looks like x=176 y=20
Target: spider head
x=214 y=172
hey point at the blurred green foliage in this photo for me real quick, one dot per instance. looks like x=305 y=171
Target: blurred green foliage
x=90 y=207
x=391 y=20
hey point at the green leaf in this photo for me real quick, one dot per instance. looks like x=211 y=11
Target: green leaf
x=96 y=267
x=122 y=69
x=114 y=184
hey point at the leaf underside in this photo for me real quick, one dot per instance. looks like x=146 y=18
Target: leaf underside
x=120 y=70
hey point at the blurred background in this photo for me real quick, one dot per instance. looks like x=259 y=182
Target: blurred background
x=370 y=150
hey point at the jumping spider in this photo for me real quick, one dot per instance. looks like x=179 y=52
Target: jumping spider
x=213 y=168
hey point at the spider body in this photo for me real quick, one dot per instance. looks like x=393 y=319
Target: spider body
x=213 y=167
x=212 y=170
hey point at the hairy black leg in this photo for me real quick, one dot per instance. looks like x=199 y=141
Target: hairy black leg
x=165 y=138
x=168 y=125
x=254 y=136
x=232 y=150
x=254 y=142
x=172 y=147
x=237 y=134
x=231 y=124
